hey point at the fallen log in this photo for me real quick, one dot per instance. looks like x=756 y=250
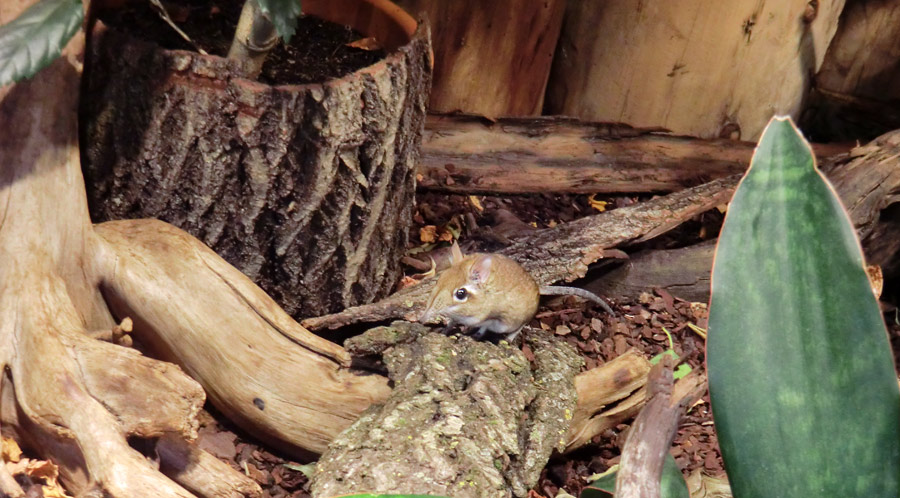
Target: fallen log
x=470 y=154
x=682 y=272
x=867 y=181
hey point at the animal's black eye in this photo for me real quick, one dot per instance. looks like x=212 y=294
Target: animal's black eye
x=461 y=294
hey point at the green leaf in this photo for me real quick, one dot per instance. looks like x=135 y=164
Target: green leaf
x=672 y=483
x=681 y=371
x=366 y=495
x=283 y=14
x=656 y=359
x=33 y=40
x=801 y=375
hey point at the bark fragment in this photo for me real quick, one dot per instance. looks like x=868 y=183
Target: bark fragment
x=465 y=418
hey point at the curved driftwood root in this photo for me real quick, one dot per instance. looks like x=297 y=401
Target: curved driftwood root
x=65 y=395
x=258 y=366
x=84 y=398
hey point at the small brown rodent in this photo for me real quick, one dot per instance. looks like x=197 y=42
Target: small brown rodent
x=490 y=293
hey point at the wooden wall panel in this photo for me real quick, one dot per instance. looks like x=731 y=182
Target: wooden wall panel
x=492 y=57
x=864 y=57
x=857 y=94
x=701 y=67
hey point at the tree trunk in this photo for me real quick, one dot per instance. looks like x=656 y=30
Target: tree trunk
x=307 y=189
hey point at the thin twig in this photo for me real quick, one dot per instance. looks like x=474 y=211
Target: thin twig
x=165 y=17
x=653 y=430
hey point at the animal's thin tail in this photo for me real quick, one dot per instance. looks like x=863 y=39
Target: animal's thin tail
x=559 y=290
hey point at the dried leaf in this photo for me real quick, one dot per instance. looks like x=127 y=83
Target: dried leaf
x=10 y=450
x=476 y=203
x=407 y=281
x=40 y=470
x=369 y=43
x=876 y=279
x=428 y=234
x=598 y=205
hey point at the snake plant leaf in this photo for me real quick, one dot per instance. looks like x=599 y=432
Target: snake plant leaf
x=283 y=14
x=33 y=40
x=369 y=495
x=672 y=484
x=801 y=376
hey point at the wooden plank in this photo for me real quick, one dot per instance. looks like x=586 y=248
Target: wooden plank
x=704 y=68
x=491 y=58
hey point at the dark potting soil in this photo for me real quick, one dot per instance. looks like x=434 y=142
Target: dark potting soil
x=317 y=52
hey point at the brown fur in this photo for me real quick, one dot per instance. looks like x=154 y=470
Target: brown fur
x=502 y=296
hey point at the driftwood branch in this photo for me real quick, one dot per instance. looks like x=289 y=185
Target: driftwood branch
x=620 y=381
x=652 y=431
x=230 y=336
x=562 y=252
x=469 y=154
x=202 y=473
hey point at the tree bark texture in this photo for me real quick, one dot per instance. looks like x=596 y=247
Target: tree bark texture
x=307 y=189
x=465 y=418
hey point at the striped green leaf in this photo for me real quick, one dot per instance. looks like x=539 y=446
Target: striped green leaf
x=368 y=495
x=801 y=375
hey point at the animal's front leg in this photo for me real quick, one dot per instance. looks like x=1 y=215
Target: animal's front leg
x=512 y=335
x=479 y=334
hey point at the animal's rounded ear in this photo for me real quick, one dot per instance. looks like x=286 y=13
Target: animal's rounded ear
x=456 y=254
x=481 y=268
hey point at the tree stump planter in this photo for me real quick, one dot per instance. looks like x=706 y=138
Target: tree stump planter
x=307 y=189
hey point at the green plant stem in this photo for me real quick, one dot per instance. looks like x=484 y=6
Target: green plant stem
x=254 y=38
